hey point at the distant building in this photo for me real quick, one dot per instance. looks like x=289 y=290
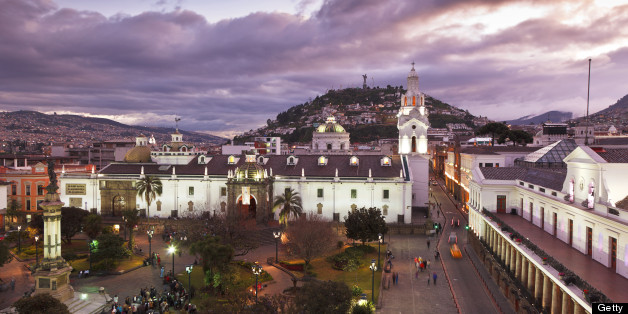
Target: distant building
x=330 y=138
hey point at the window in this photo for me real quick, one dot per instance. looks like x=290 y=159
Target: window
x=531 y=186
x=521 y=183
x=319 y=208
x=481 y=165
x=158 y=206
x=231 y=160
x=190 y=206
x=554 y=193
x=385 y=210
x=40 y=190
x=13 y=189
x=497 y=165
x=191 y=190
x=385 y=161
x=319 y=193
x=386 y=194
x=28 y=189
x=28 y=204
x=286 y=190
x=354 y=193
x=223 y=191
x=322 y=161
x=354 y=161
x=542 y=190
x=488 y=164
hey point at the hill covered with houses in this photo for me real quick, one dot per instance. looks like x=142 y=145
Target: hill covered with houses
x=368 y=114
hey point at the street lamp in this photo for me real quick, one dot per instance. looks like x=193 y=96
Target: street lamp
x=19 y=239
x=150 y=245
x=373 y=269
x=188 y=269
x=172 y=250
x=36 y=253
x=277 y=235
x=124 y=218
x=379 y=250
x=257 y=270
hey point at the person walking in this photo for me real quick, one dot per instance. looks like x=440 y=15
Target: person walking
x=13 y=284
x=428 y=280
x=163 y=268
x=434 y=277
x=428 y=244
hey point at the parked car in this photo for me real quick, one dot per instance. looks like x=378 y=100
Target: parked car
x=453 y=238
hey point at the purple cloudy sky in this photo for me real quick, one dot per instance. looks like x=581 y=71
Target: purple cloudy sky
x=227 y=66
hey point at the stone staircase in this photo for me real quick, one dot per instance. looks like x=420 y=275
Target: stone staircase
x=93 y=303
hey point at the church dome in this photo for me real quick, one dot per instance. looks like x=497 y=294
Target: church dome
x=330 y=126
x=138 y=154
x=250 y=171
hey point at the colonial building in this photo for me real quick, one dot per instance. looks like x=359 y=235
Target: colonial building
x=584 y=205
x=330 y=138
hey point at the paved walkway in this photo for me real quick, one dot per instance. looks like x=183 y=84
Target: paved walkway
x=599 y=276
x=24 y=282
x=414 y=294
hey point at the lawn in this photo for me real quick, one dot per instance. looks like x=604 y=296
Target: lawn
x=28 y=249
x=361 y=277
x=123 y=264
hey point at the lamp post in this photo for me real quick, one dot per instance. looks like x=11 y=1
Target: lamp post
x=36 y=253
x=188 y=269
x=379 y=250
x=150 y=245
x=124 y=228
x=277 y=235
x=257 y=270
x=172 y=250
x=373 y=268
x=19 y=239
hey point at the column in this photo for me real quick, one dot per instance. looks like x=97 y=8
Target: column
x=531 y=270
x=499 y=247
x=506 y=253
x=538 y=284
x=547 y=293
x=517 y=264
x=513 y=258
x=524 y=271
x=557 y=299
x=567 y=304
x=577 y=308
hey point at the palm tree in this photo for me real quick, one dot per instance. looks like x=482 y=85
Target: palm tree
x=290 y=203
x=148 y=188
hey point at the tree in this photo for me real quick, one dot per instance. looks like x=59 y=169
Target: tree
x=290 y=204
x=110 y=246
x=5 y=257
x=13 y=210
x=493 y=128
x=365 y=224
x=92 y=225
x=149 y=188
x=131 y=219
x=323 y=297
x=40 y=304
x=71 y=222
x=215 y=255
x=310 y=236
x=37 y=223
x=516 y=137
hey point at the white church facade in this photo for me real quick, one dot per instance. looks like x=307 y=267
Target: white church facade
x=330 y=183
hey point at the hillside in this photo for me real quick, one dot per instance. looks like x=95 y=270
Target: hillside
x=554 y=116
x=36 y=127
x=368 y=114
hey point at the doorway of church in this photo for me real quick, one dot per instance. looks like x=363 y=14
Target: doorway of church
x=248 y=211
x=118 y=205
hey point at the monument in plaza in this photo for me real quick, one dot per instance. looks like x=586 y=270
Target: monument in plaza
x=52 y=275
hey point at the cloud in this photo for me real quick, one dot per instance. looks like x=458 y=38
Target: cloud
x=234 y=74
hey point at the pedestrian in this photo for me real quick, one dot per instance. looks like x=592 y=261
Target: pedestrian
x=158 y=260
x=163 y=268
x=13 y=284
x=438 y=213
x=428 y=244
x=416 y=275
x=397 y=278
x=428 y=264
x=115 y=299
x=434 y=276
x=428 y=280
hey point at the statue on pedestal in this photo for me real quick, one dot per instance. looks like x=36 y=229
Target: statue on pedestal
x=52 y=275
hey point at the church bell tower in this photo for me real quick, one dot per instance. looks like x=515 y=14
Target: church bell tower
x=412 y=120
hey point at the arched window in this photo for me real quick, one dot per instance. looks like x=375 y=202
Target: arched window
x=328 y=146
x=354 y=161
x=231 y=160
